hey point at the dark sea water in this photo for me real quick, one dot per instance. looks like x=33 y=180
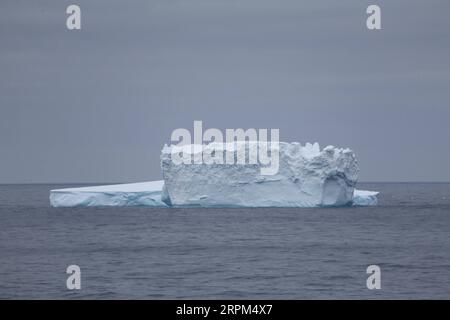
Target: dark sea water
x=227 y=253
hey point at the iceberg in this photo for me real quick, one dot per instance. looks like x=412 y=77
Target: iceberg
x=307 y=177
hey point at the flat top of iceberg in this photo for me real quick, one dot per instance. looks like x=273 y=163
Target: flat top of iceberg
x=150 y=186
x=307 y=151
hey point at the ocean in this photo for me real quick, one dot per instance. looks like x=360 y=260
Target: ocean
x=270 y=253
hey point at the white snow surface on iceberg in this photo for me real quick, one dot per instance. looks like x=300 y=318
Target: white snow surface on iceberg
x=131 y=194
x=146 y=194
x=307 y=177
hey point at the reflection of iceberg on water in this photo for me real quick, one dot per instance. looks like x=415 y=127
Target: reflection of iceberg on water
x=306 y=177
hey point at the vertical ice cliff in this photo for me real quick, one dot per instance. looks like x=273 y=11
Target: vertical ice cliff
x=306 y=177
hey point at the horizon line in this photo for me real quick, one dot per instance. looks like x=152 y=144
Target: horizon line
x=108 y=183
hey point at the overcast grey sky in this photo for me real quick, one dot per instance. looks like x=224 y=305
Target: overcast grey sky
x=97 y=105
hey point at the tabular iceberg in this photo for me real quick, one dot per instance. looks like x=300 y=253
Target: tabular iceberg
x=307 y=177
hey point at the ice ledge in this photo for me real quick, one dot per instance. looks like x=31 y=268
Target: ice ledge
x=365 y=198
x=147 y=194
x=132 y=194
